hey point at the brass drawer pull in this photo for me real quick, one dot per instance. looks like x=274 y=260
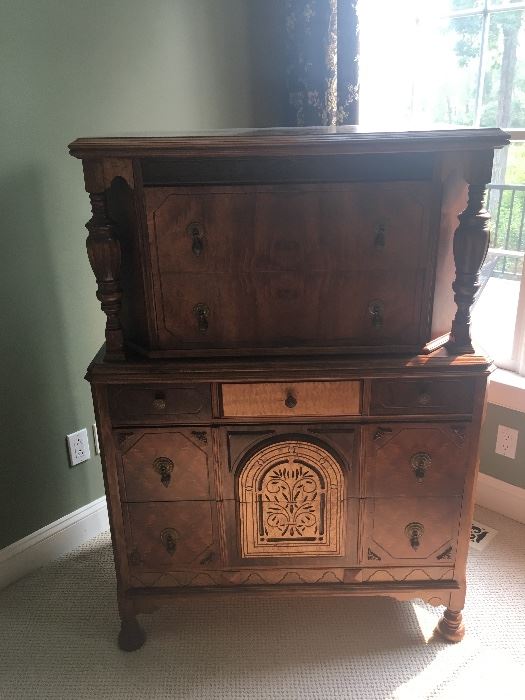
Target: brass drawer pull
x=420 y=462
x=379 y=240
x=163 y=466
x=376 y=310
x=414 y=532
x=159 y=402
x=424 y=398
x=168 y=537
x=202 y=312
x=197 y=238
x=290 y=400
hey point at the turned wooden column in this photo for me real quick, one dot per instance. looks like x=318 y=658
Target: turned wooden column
x=471 y=241
x=103 y=251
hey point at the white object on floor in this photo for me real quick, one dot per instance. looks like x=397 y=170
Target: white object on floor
x=481 y=535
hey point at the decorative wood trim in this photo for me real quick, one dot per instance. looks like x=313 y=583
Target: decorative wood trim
x=445 y=554
x=471 y=241
x=311 y=141
x=103 y=251
x=397 y=573
x=291 y=494
x=118 y=167
x=52 y=541
x=451 y=626
x=201 y=436
x=218 y=487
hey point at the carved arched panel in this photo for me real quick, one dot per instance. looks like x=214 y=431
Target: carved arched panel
x=291 y=501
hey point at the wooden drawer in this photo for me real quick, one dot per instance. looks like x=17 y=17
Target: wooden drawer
x=167 y=465
x=289 y=227
x=168 y=536
x=406 y=530
x=421 y=396
x=151 y=405
x=417 y=459
x=291 y=399
x=290 y=310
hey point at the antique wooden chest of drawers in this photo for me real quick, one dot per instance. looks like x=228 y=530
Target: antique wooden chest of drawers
x=288 y=398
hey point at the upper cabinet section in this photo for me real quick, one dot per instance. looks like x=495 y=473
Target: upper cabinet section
x=291 y=241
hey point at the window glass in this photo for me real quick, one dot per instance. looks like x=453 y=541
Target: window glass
x=495 y=310
x=503 y=101
x=421 y=66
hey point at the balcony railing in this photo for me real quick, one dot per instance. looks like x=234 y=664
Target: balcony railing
x=506 y=204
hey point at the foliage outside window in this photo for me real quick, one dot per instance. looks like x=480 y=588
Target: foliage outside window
x=461 y=62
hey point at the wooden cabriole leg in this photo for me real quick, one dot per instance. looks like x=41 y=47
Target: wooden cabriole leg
x=451 y=626
x=131 y=636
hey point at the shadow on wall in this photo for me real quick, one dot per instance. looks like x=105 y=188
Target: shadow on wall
x=34 y=364
x=268 y=63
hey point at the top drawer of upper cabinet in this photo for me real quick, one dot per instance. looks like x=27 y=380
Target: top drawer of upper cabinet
x=421 y=396
x=265 y=228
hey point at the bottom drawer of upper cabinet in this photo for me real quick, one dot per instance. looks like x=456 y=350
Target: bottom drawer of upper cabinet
x=166 y=536
x=411 y=530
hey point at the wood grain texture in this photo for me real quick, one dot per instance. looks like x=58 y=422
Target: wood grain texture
x=163 y=535
x=422 y=396
x=416 y=459
x=287 y=420
x=471 y=241
x=324 y=140
x=291 y=495
x=168 y=465
x=294 y=399
x=313 y=228
x=154 y=405
x=388 y=529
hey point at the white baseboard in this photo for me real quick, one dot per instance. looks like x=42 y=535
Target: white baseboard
x=501 y=497
x=52 y=541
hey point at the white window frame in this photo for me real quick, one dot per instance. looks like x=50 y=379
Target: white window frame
x=516 y=361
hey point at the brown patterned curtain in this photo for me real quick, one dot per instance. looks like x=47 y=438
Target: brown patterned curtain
x=322 y=71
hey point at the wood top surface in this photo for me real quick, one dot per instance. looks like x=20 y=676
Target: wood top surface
x=288 y=369
x=293 y=140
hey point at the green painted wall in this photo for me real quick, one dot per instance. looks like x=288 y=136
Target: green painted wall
x=74 y=68
x=510 y=470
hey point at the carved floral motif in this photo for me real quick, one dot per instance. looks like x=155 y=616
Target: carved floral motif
x=291 y=501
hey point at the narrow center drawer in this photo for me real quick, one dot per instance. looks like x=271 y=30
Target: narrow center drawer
x=267 y=399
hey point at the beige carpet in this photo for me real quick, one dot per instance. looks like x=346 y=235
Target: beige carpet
x=58 y=629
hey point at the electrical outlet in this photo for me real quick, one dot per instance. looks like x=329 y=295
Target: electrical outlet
x=506 y=441
x=78 y=446
x=95 y=439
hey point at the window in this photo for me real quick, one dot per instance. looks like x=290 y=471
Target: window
x=461 y=62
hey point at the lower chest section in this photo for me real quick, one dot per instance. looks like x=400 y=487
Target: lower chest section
x=289 y=484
